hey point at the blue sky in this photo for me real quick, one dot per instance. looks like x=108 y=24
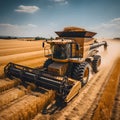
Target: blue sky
x=43 y=17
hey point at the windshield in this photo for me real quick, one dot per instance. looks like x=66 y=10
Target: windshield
x=61 y=51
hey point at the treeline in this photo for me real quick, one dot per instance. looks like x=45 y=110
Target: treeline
x=118 y=38
x=14 y=37
x=43 y=38
x=8 y=37
x=34 y=38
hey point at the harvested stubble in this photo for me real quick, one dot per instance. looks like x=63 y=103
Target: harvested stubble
x=39 y=117
x=19 y=52
x=11 y=51
x=27 y=108
x=7 y=84
x=10 y=96
x=9 y=44
x=2 y=71
x=34 y=62
x=37 y=62
x=20 y=57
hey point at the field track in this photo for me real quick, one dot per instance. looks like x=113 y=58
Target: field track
x=22 y=102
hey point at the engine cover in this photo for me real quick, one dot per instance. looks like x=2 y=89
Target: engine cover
x=58 y=68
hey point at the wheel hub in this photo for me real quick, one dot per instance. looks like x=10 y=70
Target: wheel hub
x=86 y=74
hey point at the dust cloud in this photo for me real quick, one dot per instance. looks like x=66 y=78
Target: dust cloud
x=110 y=54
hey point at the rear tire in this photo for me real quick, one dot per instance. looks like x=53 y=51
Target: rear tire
x=47 y=63
x=96 y=63
x=81 y=72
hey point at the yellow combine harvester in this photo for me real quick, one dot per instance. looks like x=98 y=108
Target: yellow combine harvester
x=68 y=65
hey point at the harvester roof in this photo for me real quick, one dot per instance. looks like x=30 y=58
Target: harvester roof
x=75 y=32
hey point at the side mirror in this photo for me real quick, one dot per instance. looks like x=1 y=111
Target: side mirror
x=77 y=47
x=43 y=44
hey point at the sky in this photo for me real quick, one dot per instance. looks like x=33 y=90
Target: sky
x=30 y=18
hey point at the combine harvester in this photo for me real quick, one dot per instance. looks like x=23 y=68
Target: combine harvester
x=68 y=65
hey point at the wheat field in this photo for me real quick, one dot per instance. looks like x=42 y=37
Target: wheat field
x=28 y=53
x=20 y=101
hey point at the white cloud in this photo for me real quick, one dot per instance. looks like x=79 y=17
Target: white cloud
x=116 y=20
x=109 y=29
x=6 y=25
x=32 y=25
x=16 y=26
x=61 y=2
x=27 y=9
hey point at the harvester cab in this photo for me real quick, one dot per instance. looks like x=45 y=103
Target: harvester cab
x=68 y=65
x=71 y=45
x=61 y=49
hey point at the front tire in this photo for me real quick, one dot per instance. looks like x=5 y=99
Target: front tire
x=96 y=63
x=81 y=72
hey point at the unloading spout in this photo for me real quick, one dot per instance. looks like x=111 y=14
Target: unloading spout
x=95 y=45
